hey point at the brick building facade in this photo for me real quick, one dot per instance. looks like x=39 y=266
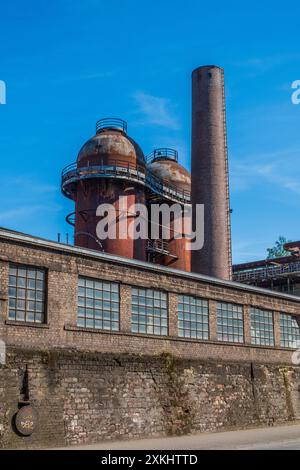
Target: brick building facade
x=115 y=348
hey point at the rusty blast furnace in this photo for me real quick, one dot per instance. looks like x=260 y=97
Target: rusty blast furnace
x=107 y=169
x=112 y=169
x=163 y=163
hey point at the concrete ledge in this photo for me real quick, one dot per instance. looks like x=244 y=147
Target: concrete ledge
x=26 y=324
x=148 y=336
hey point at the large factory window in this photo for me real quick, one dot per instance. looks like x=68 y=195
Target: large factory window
x=230 y=322
x=98 y=304
x=26 y=291
x=262 y=328
x=192 y=317
x=289 y=331
x=149 y=312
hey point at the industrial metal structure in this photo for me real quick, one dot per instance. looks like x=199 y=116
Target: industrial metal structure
x=111 y=165
x=163 y=163
x=280 y=274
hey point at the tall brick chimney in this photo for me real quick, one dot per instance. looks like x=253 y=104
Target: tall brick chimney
x=210 y=171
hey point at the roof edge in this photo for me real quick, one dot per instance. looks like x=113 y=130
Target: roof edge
x=24 y=238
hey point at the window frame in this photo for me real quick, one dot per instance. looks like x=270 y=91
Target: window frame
x=222 y=331
x=138 y=323
x=102 y=319
x=282 y=340
x=253 y=310
x=44 y=302
x=201 y=314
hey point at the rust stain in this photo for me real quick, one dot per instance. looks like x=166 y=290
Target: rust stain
x=110 y=145
x=172 y=172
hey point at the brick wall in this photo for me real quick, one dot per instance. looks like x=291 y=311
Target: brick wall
x=89 y=397
x=61 y=331
x=89 y=385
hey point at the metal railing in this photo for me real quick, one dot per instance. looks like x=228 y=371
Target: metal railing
x=267 y=272
x=158 y=246
x=120 y=169
x=161 y=154
x=111 y=123
x=90 y=168
x=165 y=189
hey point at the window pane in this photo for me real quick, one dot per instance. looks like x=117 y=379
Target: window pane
x=230 y=322
x=21 y=282
x=192 y=317
x=149 y=312
x=98 y=304
x=289 y=331
x=262 y=329
x=22 y=301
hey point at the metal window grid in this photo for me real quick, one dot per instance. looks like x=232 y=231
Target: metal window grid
x=149 y=312
x=289 y=331
x=262 y=327
x=193 y=317
x=27 y=293
x=230 y=322
x=98 y=304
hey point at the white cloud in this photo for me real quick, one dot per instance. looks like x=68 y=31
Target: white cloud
x=34 y=201
x=23 y=212
x=260 y=65
x=279 y=168
x=156 y=110
x=28 y=185
x=250 y=250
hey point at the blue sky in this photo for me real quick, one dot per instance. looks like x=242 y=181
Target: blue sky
x=67 y=63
